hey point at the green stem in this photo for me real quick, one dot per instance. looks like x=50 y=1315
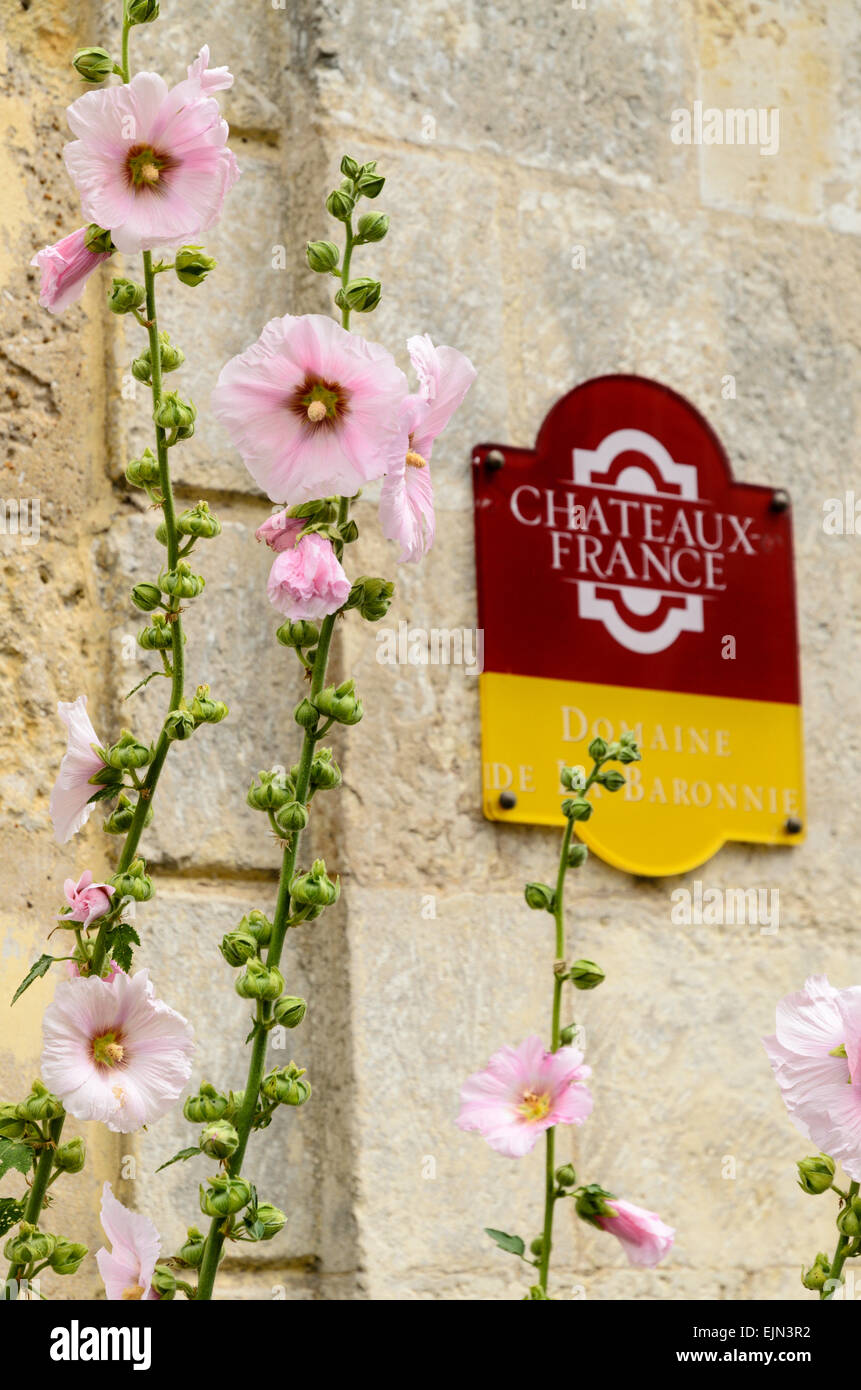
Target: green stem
x=550 y=1138
x=124 y=62
x=33 y=1209
x=840 y=1254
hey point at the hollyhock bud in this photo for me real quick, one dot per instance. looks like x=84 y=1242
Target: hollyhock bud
x=259 y=981
x=258 y=924
x=540 y=896
x=67 y=266
x=179 y=725
x=289 y=1011
x=224 y=1196
x=206 y=710
x=819 y=1273
x=11 y=1124
x=577 y=856
x=180 y=582
x=192 y=265
x=322 y=256
x=611 y=779
x=173 y=413
x=300 y=633
x=134 y=882
x=40 y=1105
x=127 y=753
x=70 y=1156
x=815 y=1174
x=67 y=1256
x=362 y=294
x=125 y=296
x=120 y=819
x=307 y=580
x=238 y=946
x=848 y=1222
x=565 y=1176
x=577 y=809
x=93 y=64
x=597 y=750
x=372 y=226
x=270 y=791
x=585 y=974
x=340 y=703
x=325 y=772
x=98 y=240
x=191 y=1253
x=142 y=11
x=158 y=636
x=170 y=356
x=287 y=1085
x=207 y=1105
x=306 y=714
x=644 y=1237
x=340 y=205
x=86 y=901
x=292 y=817
x=146 y=597
x=199 y=522
x=144 y=470
x=573 y=779
x=315 y=887
x=29 y=1245
x=219 y=1139
x=629 y=749
x=163 y=1283
x=270 y=1218
x=372 y=596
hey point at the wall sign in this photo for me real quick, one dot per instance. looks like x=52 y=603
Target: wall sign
x=626 y=581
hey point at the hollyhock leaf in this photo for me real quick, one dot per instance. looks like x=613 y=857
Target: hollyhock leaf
x=179 y=1157
x=122 y=941
x=41 y=967
x=104 y=794
x=15 y=1155
x=513 y=1244
x=11 y=1212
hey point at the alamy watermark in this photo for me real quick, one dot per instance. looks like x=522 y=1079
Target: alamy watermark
x=435 y=646
x=20 y=516
x=719 y=907
x=733 y=125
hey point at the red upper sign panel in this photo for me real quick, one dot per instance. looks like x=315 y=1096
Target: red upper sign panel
x=620 y=551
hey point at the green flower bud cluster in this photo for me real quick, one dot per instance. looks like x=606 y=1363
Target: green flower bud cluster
x=585 y=974
x=180 y=582
x=120 y=819
x=565 y=1176
x=372 y=226
x=339 y=703
x=362 y=294
x=289 y=1011
x=143 y=472
x=70 y=1156
x=192 y=265
x=147 y=597
x=262 y=1222
x=180 y=724
x=298 y=633
x=205 y=710
x=158 y=636
x=819 y=1273
x=127 y=753
x=219 y=1139
x=12 y=1126
x=577 y=808
x=372 y=597
x=142 y=11
x=197 y=521
x=207 y=1105
x=270 y=791
x=815 y=1174
x=93 y=64
x=540 y=896
x=134 y=882
x=176 y=415
x=259 y=981
x=325 y=772
x=286 y=1085
x=315 y=888
x=291 y=817
x=323 y=257
x=171 y=357
x=190 y=1253
x=238 y=946
x=224 y=1196
x=40 y=1105
x=125 y=296
x=849 y=1220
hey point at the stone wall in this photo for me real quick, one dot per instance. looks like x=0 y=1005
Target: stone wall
x=510 y=135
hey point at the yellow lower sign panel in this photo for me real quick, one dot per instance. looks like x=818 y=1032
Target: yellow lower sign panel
x=713 y=769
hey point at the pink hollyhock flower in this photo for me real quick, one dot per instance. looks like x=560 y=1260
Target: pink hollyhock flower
x=127 y=1268
x=644 y=1237
x=522 y=1092
x=280 y=531
x=815 y=1054
x=313 y=410
x=87 y=900
x=65 y=268
x=406 y=499
x=307 y=581
x=70 y=800
x=151 y=164
x=113 y=1052
x=204 y=80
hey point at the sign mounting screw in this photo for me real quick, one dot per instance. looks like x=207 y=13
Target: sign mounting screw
x=507 y=801
x=792 y=825
x=779 y=500
x=494 y=460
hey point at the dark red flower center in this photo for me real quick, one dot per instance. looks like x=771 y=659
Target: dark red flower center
x=319 y=404
x=146 y=168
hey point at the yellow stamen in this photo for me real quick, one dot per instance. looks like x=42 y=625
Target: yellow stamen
x=133 y=1292
x=114 y=1052
x=535 y=1107
x=149 y=173
x=415 y=460
x=316 y=412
